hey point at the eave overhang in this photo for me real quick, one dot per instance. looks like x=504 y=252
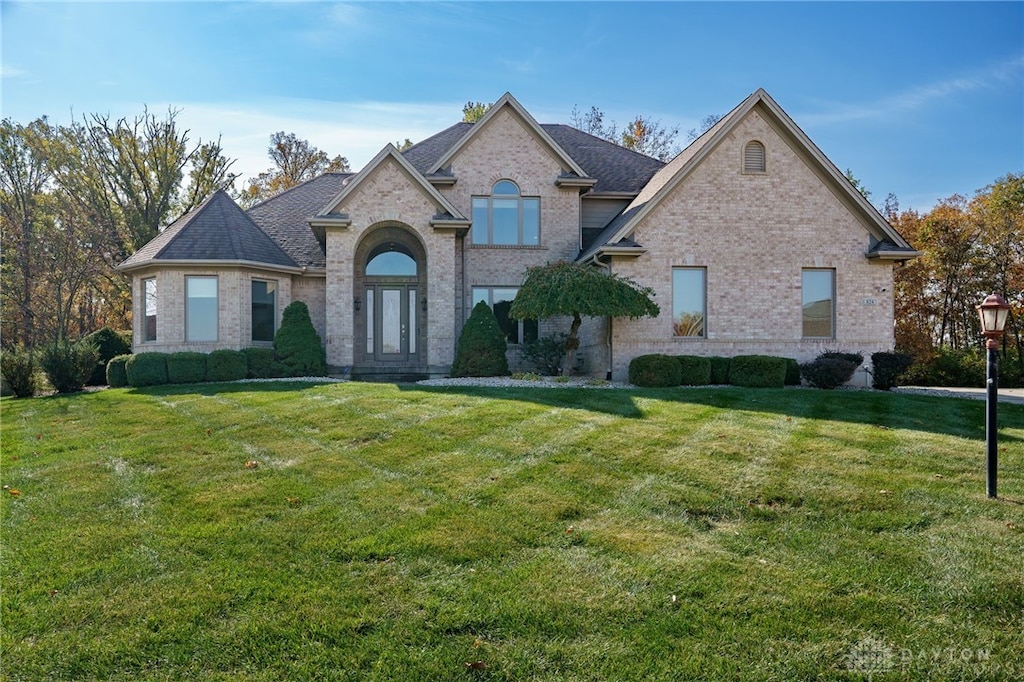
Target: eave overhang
x=894 y=254
x=208 y=263
x=569 y=181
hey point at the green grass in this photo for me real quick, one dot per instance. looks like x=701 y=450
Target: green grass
x=405 y=533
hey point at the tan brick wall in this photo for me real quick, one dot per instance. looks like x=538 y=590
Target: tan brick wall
x=234 y=307
x=755 y=234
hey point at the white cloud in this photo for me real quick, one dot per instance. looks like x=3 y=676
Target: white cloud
x=919 y=97
x=355 y=130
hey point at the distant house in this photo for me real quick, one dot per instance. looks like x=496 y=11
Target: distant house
x=752 y=239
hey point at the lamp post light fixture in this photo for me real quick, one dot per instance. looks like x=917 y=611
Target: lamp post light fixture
x=993 y=312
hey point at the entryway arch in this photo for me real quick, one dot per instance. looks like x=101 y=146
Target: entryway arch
x=391 y=313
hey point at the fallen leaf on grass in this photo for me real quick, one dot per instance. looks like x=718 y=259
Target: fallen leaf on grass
x=477 y=643
x=885 y=492
x=292 y=501
x=475 y=665
x=14 y=491
x=570 y=530
x=54 y=593
x=1011 y=525
x=208 y=432
x=251 y=464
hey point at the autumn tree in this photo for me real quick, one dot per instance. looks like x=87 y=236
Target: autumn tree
x=576 y=290
x=592 y=122
x=474 y=111
x=647 y=136
x=295 y=162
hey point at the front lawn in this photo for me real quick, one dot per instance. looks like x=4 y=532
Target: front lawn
x=374 y=532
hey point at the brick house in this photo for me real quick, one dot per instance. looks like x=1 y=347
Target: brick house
x=753 y=241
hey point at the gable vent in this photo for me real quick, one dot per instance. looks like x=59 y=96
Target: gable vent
x=753 y=157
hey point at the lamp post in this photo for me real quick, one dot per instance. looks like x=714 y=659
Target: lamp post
x=993 y=312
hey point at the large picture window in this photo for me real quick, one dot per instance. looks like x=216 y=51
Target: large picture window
x=819 y=310
x=506 y=217
x=201 y=309
x=500 y=299
x=264 y=309
x=689 y=302
x=149 y=289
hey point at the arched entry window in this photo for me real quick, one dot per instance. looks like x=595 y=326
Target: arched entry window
x=391 y=264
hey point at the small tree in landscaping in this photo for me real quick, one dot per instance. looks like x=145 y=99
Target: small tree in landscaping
x=109 y=343
x=482 y=346
x=18 y=367
x=297 y=346
x=546 y=353
x=575 y=290
x=69 y=365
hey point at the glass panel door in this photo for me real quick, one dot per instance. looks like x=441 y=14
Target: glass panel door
x=391 y=320
x=392 y=328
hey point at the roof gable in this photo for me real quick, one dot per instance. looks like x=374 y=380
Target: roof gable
x=389 y=152
x=671 y=175
x=216 y=230
x=507 y=101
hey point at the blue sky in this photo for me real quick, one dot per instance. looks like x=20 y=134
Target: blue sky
x=920 y=99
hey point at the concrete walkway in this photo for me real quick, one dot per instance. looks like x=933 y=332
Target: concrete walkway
x=1006 y=395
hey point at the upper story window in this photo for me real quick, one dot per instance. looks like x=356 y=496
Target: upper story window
x=506 y=217
x=149 y=286
x=754 y=158
x=200 y=308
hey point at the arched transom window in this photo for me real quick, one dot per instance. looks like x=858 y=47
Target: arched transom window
x=506 y=217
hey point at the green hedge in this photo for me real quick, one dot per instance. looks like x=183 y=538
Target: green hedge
x=720 y=369
x=757 y=371
x=887 y=368
x=694 y=370
x=792 y=372
x=226 y=365
x=117 y=375
x=654 y=371
x=260 y=362
x=186 y=367
x=146 y=369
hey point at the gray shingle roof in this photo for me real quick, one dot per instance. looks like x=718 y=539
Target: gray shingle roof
x=285 y=217
x=615 y=168
x=217 y=229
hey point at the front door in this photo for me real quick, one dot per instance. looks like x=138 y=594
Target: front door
x=391 y=323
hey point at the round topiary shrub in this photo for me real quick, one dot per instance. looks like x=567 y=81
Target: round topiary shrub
x=653 y=371
x=828 y=372
x=109 y=343
x=186 y=367
x=887 y=368
x=117 y=375
x=226 y=365
x=482 y=346
x=757 y=371
x=18 y=367
x=694 y=370
x=146 y=369
x=297 y=346
x=260 y=362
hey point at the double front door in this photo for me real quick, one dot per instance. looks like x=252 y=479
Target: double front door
x=391 y=322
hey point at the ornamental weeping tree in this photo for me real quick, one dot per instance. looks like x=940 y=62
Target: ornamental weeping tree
x=575 y=290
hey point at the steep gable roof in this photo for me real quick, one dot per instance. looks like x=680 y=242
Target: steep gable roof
x=216 y=230
x=445 y=207
x=509 y=102
x=890 y=243
x=285 y=217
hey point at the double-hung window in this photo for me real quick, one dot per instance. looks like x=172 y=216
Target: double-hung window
x=689 y=302
x=500 y=299
x=200 y=308
x=819 y=298
x=506 y=217
x=264 y=309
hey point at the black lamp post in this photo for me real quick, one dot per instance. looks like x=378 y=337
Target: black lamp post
x=993 y=313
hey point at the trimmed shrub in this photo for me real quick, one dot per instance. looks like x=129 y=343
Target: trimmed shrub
x=757 y=371
x=947 y=367
x=482 y=346
x=886 y=369
x=109 y=343
x=226 y=365
x=828 y=370
x=856 y=358
x=68 y=366
x=18 y=367
x=720 y=369
x=651 y=371
x=546 y=353
x=297 y=347
x=186 y=367
x=146 y=369
x=792 y=372
x=117 y=375
x=694 y=370
x=259 y=362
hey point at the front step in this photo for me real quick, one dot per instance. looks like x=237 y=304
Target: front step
x=384 y=377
